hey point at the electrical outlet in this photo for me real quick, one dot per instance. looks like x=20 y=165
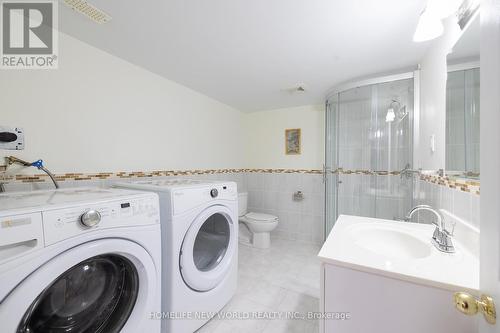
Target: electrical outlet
x=11 y=138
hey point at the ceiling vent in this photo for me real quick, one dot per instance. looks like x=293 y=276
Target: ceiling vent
x=299 y=89
x=93 y=13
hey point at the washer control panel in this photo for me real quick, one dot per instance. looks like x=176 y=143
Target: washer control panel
x=64 y=223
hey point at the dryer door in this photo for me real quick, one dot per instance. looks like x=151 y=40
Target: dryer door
x=101 y=286
x=209 y=248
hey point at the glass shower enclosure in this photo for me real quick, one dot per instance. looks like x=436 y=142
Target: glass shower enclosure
x=462 y=122
x=369 y=145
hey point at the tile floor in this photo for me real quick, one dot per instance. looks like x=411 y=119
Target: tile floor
x=283 y=278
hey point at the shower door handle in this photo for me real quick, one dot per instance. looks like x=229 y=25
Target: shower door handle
x=325 y=172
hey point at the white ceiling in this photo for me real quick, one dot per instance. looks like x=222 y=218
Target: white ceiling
x=467 y=47
x=248 y=54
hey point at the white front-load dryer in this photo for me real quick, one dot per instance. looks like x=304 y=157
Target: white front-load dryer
x=199 y=222
x=80 y=260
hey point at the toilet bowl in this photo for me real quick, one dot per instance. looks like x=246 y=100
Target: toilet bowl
x=259 y=225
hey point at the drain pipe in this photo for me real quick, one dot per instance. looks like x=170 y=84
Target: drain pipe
x=37 y=164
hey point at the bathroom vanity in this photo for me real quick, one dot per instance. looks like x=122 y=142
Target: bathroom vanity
x=386 y=276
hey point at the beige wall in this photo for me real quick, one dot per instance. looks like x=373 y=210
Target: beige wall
x=265 y=137
x=85 y=117
x=99 y=113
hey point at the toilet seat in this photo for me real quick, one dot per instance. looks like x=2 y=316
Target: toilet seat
x=260 y=217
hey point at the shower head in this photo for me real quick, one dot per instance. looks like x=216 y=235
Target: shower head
x=395 y=104
x=395 y=111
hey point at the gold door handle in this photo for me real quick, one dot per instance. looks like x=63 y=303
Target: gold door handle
x=469 y=305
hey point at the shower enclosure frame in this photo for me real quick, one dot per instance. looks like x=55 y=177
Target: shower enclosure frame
x=415 y=75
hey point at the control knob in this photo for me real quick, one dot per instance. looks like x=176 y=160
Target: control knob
x=90 y=218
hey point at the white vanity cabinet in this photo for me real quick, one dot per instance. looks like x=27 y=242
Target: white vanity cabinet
x=381 y=276
x=379 y=304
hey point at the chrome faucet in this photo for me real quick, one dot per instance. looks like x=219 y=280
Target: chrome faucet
x=441 y=238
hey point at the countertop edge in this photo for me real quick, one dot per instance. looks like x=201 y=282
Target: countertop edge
x=397 y=276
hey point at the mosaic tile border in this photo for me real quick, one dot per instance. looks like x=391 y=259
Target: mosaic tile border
x=169 y=173
x=342 y=171
x=304 y=171
x=39 y=178
x=464 y=185
x=469 y=186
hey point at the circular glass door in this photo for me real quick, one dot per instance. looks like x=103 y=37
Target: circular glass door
x=211 y=243
x=95 y=295
x=208 y=248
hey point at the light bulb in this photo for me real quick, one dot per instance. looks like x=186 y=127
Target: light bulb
x=390 y=116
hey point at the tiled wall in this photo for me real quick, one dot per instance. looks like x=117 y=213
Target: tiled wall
x=464 y=205
x=460 y=209
x=272 y=193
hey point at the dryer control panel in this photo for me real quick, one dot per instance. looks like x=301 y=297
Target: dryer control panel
x=187 y=199
x=64 y=223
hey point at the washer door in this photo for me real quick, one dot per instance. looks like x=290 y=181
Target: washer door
x=208 y=248
x=96 y=287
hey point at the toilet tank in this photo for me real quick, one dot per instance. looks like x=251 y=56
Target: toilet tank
x=242 y=203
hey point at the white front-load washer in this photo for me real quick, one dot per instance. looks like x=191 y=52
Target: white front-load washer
x=199 y=222
x=80 y=260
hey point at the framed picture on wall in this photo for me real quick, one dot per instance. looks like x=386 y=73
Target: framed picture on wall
x=292 y=141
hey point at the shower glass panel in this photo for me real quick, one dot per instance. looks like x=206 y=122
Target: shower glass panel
x=462 y=122
x=369 y=140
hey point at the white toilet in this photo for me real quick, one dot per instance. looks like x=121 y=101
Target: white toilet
x=259 y=225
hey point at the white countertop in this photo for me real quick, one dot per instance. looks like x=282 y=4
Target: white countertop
x=350 y=245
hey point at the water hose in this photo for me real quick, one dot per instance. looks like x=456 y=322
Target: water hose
x=37 y=164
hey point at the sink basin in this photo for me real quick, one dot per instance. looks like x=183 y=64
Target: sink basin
x=390 y=243
x=401 y=250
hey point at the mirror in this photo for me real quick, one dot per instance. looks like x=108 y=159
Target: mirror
x=463 y=105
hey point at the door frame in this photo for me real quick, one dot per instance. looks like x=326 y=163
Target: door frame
x=489 y=256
